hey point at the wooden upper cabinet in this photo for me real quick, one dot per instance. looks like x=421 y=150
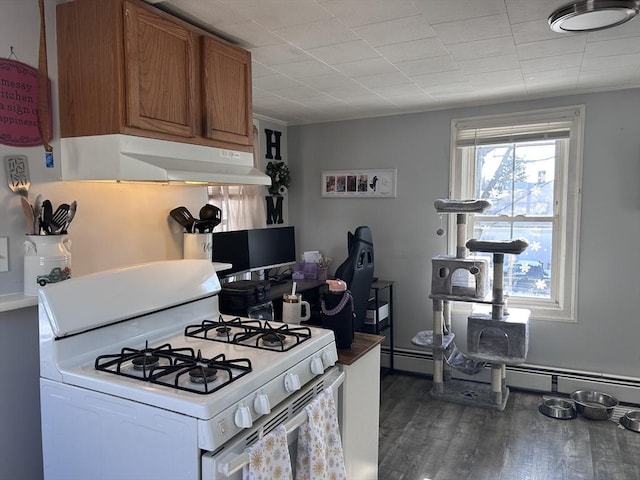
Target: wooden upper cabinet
x=159 y=72
x=127 y=67
x=226 y=91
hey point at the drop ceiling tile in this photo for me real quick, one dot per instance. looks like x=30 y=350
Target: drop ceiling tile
x=473 y=29
x=393 y=48
x=428 y=65
x=401 y=90
x=495 y=79
x=275 y=82
x=628 y=76
x=454 y=88
x=211 y=12
x=260 y=70
x=308 y=68
x=344 y=52
x=363 y=12
x=482 y=48
x=490 y=64
x=345 y=92
x=619 y=46
x=251 y=35
x=274 y=14
x=279 y=54
x=441 y=78
x=423 y=48
x=439 y=11
x=367 y=101
x=317 y=34
x=399 y=30
x=298 y=92
x=558 y=77
x=557 y=46
x=413 y=102
x=370 y=66
x=534 y=31
x=265 y=100
x=613 y=61
x=626 y=30
x=323 y=100
x=383 y=79
x=527 y=10
x=558 y=62
x=322 y=82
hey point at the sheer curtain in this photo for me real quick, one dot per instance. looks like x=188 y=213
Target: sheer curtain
x=242 y=205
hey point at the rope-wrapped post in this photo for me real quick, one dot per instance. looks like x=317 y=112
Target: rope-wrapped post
x=497 y=309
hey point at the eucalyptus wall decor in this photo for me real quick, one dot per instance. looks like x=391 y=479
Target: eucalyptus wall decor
x=280 y=180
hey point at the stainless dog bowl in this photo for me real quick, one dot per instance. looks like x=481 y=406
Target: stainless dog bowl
x=557 y=408
x=594 y=405
x=631 y=420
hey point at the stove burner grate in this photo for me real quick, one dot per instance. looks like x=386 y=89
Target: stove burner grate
x=202 y=374
x=169 y=366
x=250 y=332
x=144 y=361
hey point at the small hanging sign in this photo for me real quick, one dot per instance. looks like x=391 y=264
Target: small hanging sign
x=19 y=104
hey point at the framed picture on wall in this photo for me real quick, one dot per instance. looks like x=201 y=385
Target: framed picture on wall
x=374 y=183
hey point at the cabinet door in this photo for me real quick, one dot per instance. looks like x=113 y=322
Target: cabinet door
x=160 y=73
x=226 y=88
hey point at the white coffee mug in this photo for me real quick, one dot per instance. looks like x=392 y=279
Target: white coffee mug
x=292 y=309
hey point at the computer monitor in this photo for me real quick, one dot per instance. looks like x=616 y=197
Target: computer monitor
x=255 y=249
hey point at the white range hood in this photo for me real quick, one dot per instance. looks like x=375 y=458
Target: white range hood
x=129 y=158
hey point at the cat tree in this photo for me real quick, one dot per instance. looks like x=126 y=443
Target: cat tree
x=496 y=339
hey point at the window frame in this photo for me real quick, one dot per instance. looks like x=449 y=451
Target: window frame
x=566 y=210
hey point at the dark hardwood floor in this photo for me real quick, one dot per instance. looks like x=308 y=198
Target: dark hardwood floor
x=426 y=439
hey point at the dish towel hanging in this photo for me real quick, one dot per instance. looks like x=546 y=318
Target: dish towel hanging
x=320 y=455
x=269 y=458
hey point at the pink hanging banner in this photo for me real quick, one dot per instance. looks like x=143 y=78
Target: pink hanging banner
x=18 y=104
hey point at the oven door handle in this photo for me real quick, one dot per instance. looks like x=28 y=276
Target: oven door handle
x=235 y=462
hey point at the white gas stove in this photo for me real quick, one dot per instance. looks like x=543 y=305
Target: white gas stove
x=141 y=377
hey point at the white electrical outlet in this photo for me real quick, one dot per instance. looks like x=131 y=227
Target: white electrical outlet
x=4 y=254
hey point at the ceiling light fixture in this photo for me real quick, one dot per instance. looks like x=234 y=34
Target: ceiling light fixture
x=592 y=15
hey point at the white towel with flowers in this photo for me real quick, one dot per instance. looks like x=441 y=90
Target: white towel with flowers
x=320 y=455
x=269 y=458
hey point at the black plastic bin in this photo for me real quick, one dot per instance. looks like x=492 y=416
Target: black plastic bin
x=236 y=298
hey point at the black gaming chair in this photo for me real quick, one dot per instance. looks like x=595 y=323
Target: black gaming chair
x=357 y=271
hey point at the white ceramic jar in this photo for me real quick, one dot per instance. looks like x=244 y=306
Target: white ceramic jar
x=47 y=259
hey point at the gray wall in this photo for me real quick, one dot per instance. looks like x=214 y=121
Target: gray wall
x=605 y=337
x=21 y=453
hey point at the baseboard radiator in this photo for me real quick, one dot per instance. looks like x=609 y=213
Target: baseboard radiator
x=535 y=378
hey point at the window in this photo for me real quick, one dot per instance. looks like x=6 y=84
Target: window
x=528 y=166
x=242 y=205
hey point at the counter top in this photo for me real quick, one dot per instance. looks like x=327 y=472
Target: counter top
x=362 y=343
x=15 y=301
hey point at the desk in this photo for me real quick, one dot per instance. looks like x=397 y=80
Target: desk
x=277 y=290
x=308 y=288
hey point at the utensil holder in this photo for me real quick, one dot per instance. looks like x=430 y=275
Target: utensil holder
x=197 y=246
x=47 y=259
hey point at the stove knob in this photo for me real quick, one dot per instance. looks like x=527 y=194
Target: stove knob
x=261 y=404
x=317 y=367
x=329 y=358
x=243 y=417
x=291 y=382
